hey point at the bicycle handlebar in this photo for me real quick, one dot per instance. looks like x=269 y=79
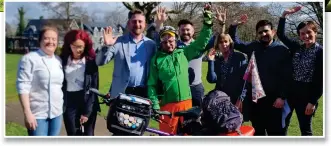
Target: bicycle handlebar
x=107 y=99
x=98 y=93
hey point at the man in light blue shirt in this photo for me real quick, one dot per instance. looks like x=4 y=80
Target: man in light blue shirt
x=138 y=54
x=131 y=53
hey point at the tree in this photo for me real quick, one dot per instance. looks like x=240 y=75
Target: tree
x=21 y=23
x=148 y=9
x=65 y=10
x=9 y=30
x=310 y=11
x=117 y=16
x=192 y=11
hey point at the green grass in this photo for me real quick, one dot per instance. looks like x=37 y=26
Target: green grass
x=328 y=7
x=1 y=5
x=106 y=72
x=13 y=129
x=12 y=61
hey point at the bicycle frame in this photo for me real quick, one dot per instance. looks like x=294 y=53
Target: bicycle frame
x=158 y=132
x=107 y=100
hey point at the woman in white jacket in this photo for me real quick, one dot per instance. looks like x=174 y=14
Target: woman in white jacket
x=39 y=83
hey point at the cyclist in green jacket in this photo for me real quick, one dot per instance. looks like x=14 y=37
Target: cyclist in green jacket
x=168 y=74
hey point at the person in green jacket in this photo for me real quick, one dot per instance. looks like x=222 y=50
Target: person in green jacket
x=168 y=82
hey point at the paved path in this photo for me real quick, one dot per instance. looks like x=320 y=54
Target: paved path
x=14 y=114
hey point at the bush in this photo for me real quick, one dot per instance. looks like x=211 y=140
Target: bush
x=58 y=51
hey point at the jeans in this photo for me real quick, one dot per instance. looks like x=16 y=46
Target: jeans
x=197 y=92
x=47 y=127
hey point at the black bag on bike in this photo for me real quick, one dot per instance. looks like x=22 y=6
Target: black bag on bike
x=219 y=114
x=129 y=115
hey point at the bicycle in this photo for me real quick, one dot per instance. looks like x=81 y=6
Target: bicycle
x=193 y=114
x=106 y=99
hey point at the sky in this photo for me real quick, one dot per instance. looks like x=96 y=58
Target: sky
x=34 y=10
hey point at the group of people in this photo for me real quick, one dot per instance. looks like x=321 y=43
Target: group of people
x=167 y=70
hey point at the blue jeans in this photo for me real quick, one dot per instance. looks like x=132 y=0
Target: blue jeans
x=47 y=127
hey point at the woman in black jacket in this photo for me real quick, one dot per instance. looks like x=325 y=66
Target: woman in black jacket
x=307 y=64
x=81 y=73
x=227 y=70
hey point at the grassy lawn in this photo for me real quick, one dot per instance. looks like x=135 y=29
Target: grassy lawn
x=328 y=7
x=1 y=5
x=105 y=81
x=13 y=129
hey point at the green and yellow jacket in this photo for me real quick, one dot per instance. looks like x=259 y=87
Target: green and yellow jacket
x=168 y=79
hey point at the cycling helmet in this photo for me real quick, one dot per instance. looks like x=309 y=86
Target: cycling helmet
x=168 y=30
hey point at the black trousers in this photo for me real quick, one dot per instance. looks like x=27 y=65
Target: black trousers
x=305 y=121
x=266 y=119
x=197 y=92
x=71 y=116
x=139 y=91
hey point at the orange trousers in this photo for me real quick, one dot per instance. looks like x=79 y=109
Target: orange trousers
x=170 y=124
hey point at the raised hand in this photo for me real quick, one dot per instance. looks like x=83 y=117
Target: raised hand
x=291 y=11
x=161 y=15
x=221 y=14
x=207 y=15
x=211 y=54
x=241 y=20
x=108 y=36
x=207 y=7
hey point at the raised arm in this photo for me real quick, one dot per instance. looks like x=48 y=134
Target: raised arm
x=290 y=43
x=152 y=84
x=211 y=74
x=105 y=54
x=238 y=44
x=196 y=48
x=221 y=17
x=159 y=19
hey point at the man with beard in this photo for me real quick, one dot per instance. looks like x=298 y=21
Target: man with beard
x=274 y=67
x=186 y=32
x=131 y=53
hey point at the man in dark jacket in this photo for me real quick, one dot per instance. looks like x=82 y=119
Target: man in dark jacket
x=274 y=67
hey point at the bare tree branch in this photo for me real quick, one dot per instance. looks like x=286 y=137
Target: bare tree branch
x=128 y=5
